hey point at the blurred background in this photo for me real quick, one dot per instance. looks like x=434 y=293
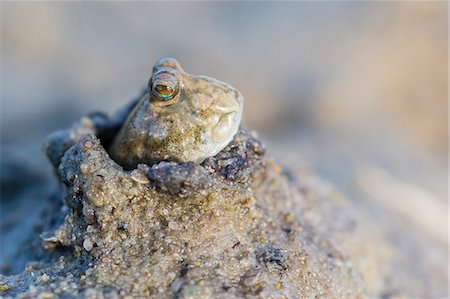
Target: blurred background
x=354 y=92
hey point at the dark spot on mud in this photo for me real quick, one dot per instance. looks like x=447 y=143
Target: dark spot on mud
x=233 y=168
x=184 y=269
x=121 y=225
x=226 y=288
x=163 y=223
x=180 y=179
x=272 y=255
x=287 y=230
x=390 y=294
x=239 y=160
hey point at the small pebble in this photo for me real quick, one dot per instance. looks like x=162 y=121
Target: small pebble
x=87 y=245
x=84 y=168
x=45 y=277
x=173 y=225
x=4 y=287
x=139 y=177
x=46 y=295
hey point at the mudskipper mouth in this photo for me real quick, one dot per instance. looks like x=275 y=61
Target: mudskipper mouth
x=224 y=127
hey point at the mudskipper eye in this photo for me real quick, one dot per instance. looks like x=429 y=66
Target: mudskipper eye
x=164 y=87
x=164 y=91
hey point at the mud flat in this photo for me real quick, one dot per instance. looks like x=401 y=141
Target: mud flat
x=235 y=226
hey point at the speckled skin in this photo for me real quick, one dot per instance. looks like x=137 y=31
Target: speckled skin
x=197 y=123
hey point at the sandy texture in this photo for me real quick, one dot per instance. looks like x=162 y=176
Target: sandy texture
x=235 y=226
